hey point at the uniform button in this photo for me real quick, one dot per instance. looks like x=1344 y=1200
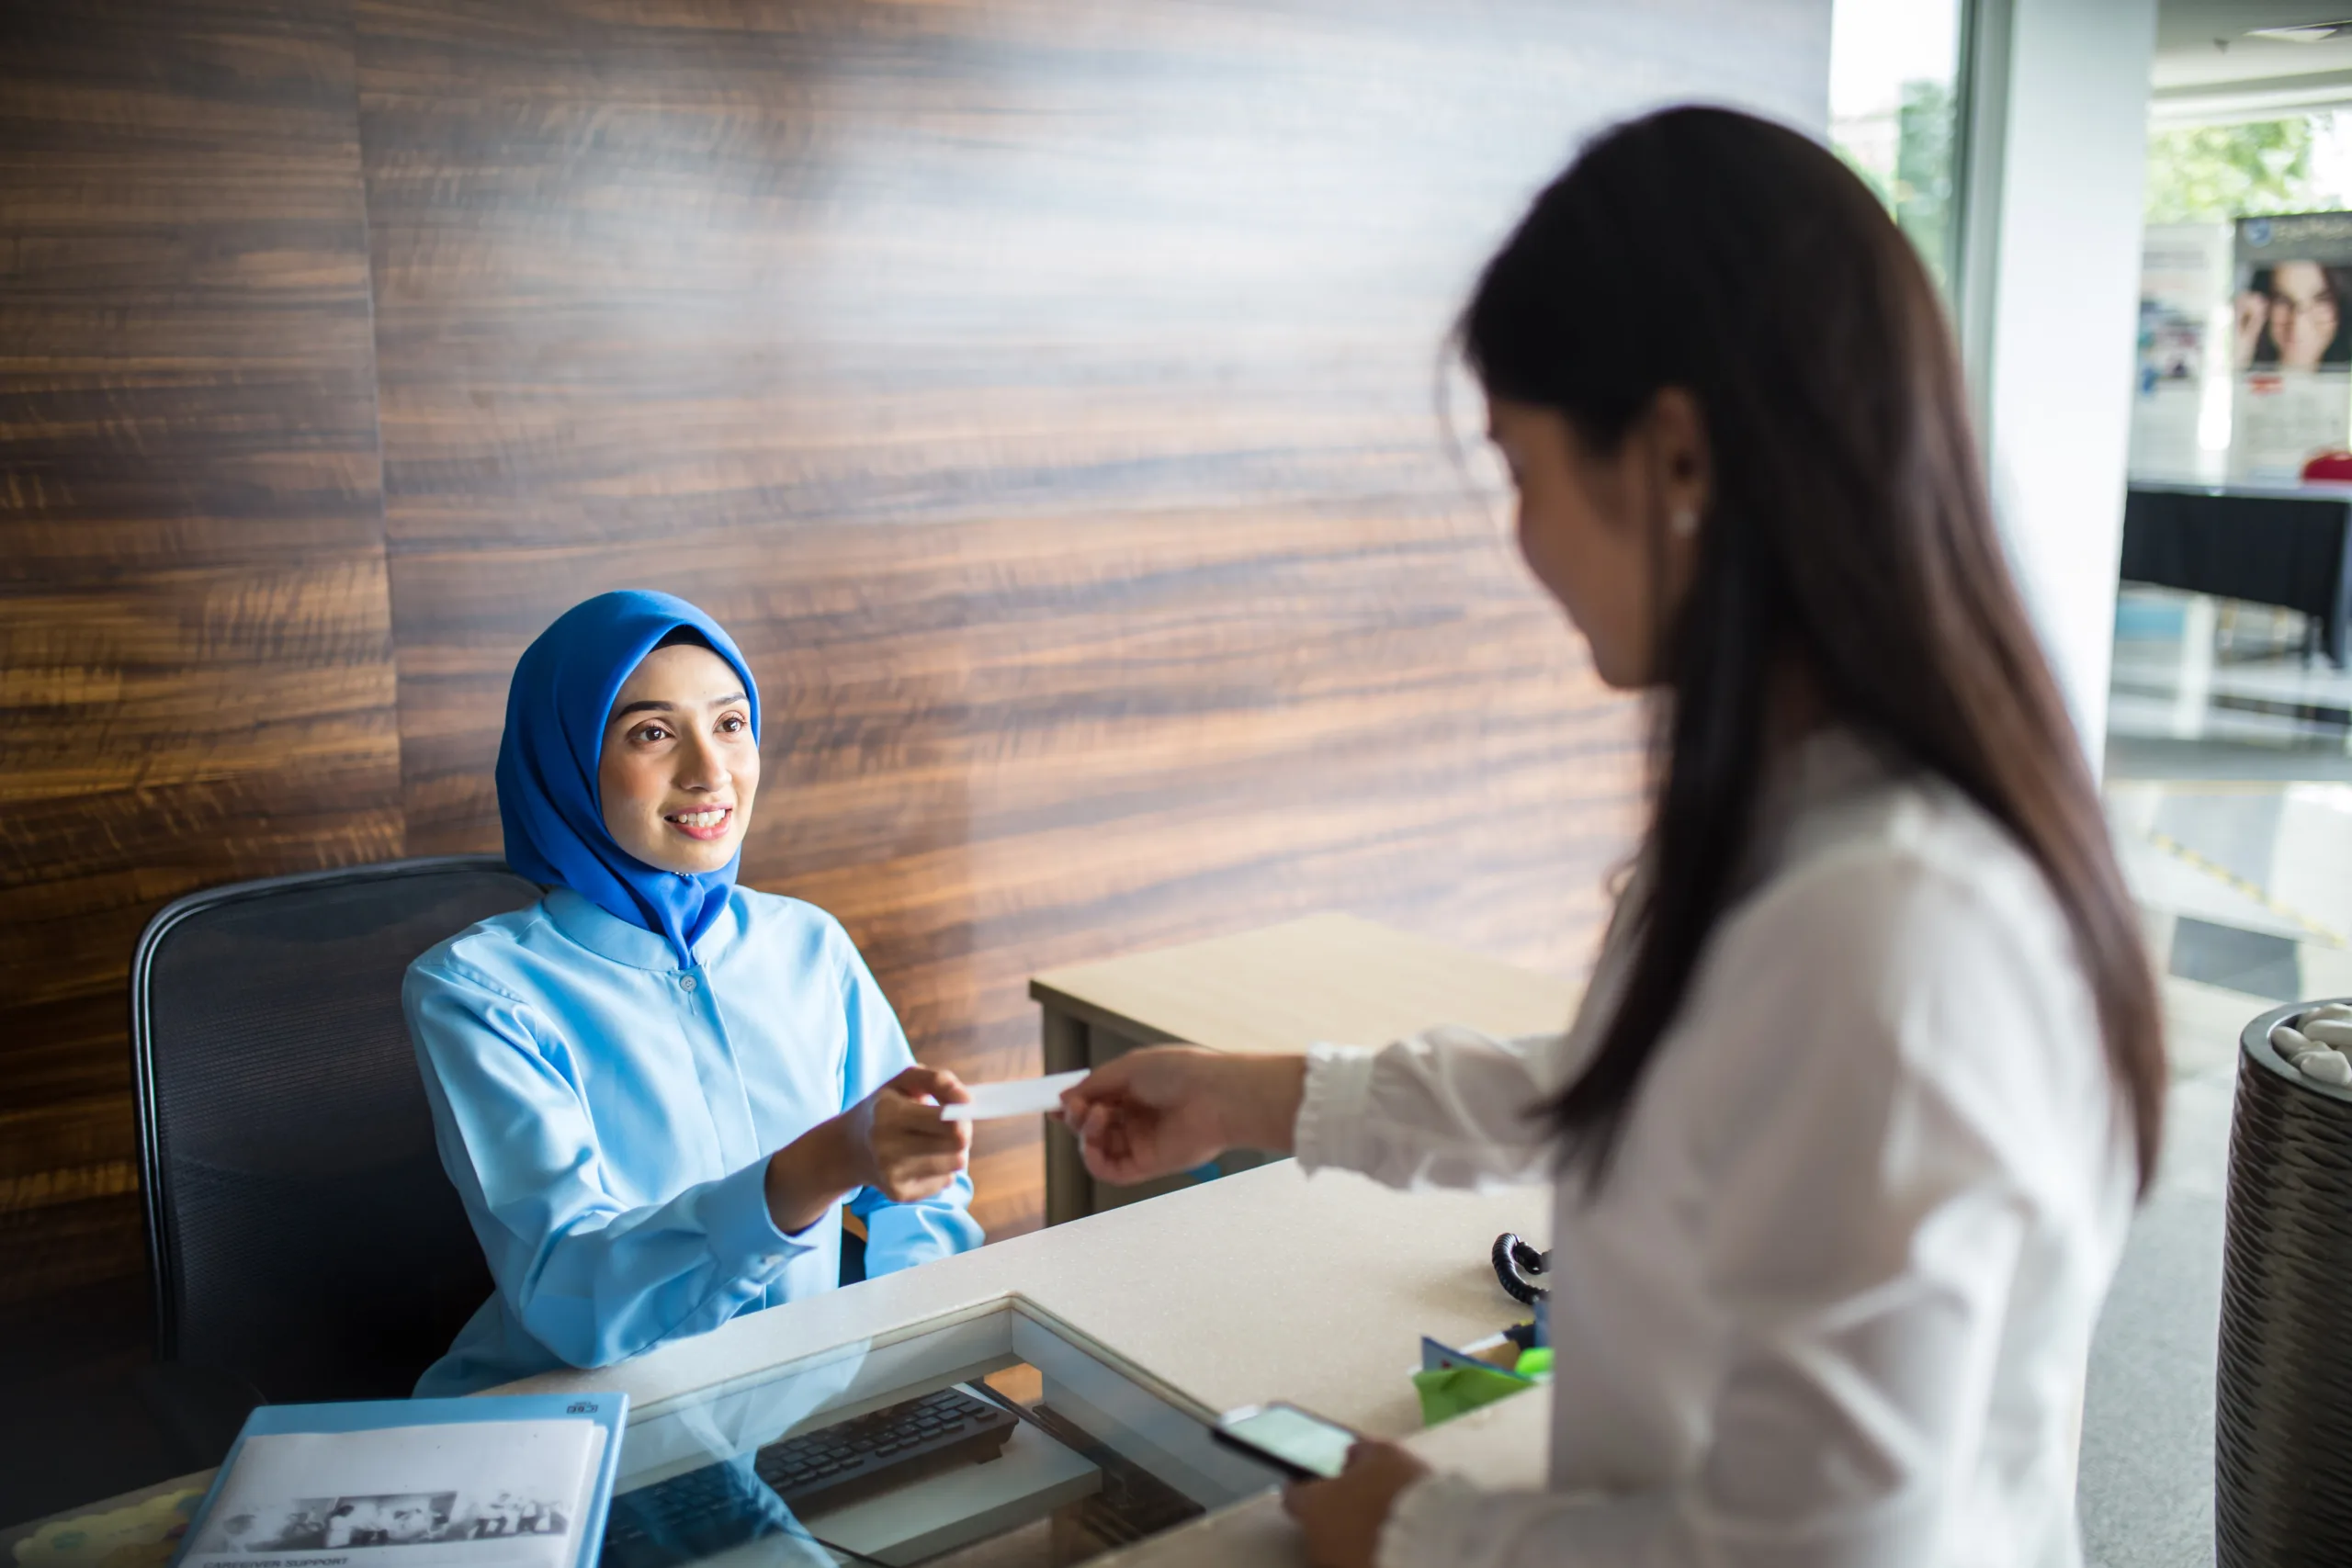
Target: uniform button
x=688 y=981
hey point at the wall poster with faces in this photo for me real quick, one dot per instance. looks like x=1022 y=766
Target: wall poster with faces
x=2290 y=345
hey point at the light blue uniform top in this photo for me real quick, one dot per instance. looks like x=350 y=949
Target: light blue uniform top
x=607 y=1118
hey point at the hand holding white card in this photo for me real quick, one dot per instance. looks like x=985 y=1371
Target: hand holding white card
x=1015 y=1097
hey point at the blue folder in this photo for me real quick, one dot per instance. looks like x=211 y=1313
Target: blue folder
x=605 y=1409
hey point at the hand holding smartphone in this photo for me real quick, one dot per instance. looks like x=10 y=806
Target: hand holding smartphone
x=1300 y=1444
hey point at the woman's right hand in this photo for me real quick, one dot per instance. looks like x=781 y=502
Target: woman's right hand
x=1169 y=1107
x=894 y=1141
x=900 y=1145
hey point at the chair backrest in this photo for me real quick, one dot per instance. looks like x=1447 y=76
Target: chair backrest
x=299 y=1226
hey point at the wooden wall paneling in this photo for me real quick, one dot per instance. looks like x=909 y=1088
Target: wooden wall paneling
x=1042 y=393
x=988 y=762
x=196 y=666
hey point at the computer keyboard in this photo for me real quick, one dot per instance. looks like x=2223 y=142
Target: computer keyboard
x=707 y=1511
x=836 y=1465
x=691 y=1517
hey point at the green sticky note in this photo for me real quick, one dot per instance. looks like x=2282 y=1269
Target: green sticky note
x=1447 y=1391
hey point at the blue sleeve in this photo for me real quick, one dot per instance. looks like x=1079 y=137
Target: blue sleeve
x=897 y=1236
x=593 y=1278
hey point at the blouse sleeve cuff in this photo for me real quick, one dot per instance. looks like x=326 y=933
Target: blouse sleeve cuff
x=1332 y=1107
x=1425 y=1528
x=743 y=1233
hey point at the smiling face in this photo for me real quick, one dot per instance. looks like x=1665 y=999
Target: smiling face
x=680 y=766
x=2303 y=313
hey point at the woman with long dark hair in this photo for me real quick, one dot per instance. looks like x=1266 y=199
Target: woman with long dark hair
x=1849 y=1131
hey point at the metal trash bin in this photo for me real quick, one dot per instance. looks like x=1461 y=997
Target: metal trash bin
x=2282 y=1417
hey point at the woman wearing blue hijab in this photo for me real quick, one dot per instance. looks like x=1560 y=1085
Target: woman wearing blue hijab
x=654 y=1087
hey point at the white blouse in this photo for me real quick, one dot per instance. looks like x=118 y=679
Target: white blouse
x=1834 y=1304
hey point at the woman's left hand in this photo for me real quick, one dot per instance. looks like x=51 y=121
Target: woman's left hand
x=1343 y=1517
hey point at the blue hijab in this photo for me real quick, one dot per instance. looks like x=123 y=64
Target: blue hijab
x=562 y=692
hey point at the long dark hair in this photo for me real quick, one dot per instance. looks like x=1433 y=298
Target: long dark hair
x=1848 y=534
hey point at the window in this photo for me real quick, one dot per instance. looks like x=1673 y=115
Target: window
x=1895 y=113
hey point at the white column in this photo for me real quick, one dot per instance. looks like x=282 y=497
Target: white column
x=2049 y=303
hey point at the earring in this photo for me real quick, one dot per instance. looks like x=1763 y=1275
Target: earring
x=1685 y=522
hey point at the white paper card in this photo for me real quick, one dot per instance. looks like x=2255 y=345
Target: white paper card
x=1017 y=1097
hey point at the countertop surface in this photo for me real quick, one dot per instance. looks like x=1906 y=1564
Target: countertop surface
x=1268 y=1284
x=1264 y=1285
x=1272 y=1285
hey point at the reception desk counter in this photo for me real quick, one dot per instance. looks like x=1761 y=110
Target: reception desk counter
x=1267 y=1285
x=1121 y=1336
x=1151 y=1317
x=1117 y=1337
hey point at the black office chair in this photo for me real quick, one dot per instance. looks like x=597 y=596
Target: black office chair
x=304 y=1241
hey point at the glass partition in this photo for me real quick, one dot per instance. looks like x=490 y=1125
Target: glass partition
x=995 y=1437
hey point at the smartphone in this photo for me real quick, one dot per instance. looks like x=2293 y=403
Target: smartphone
x=1302 y=1446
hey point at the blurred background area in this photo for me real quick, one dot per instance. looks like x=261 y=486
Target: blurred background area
x=2228 y=723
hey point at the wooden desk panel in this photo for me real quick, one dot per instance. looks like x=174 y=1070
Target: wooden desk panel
x=1330 y=979
x=1327 y=979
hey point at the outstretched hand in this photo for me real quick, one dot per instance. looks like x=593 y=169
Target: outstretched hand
x=1155 y=1112
x=893 y=1141
x=904 y=1149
